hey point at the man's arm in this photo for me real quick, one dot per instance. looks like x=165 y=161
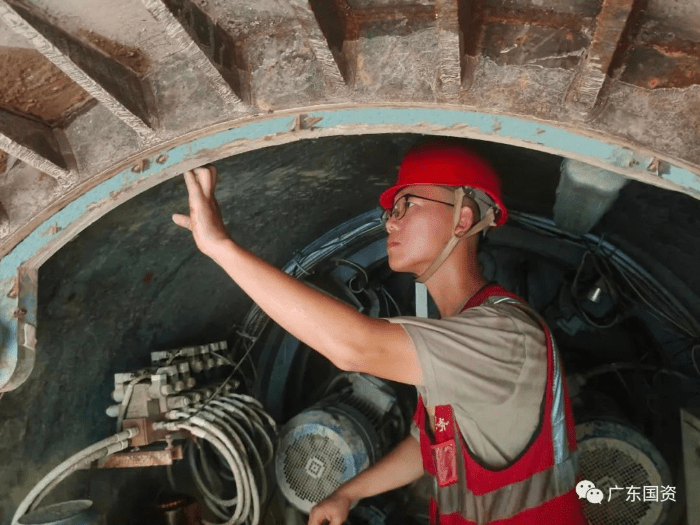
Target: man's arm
x=349 y=339
x=398 y=468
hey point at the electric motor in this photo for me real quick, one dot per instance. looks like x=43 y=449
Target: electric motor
x=331 y=442
x=616 y=458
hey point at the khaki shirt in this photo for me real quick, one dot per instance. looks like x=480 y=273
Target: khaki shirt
x=490 y=364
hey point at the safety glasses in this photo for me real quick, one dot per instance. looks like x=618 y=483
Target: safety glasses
x=401 y=205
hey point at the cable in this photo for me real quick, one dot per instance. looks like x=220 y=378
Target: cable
x=225 y=381
x=249 y=442
x=235 y=425
x=625 y=267
x=398 y=310
x=692 y=355
x=204 y=489
x=65 y=468
x=201 y=432
x=83 y=463
x=246 y=444
x=613 y=367
x=127 y=397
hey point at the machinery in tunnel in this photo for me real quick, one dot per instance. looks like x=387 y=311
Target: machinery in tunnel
x=587 y=107
x=614 y=322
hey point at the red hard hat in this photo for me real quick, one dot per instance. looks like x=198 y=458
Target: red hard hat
x=447 y=165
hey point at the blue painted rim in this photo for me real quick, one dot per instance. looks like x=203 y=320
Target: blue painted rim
x=94 y=203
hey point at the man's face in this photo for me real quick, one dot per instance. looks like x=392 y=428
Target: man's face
x=418 y=238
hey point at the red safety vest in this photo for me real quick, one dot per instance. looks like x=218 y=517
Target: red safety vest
x=537 y=488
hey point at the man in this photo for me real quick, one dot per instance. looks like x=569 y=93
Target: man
x=493 y=423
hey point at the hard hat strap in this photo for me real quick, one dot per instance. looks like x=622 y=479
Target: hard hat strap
x=489 y=220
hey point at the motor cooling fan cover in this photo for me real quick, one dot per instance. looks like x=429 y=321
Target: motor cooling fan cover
x=319 y=450
x=616 y=455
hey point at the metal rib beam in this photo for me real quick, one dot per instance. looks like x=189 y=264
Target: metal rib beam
x=590 y=77
x=332 y=76
x=471 y=22
x=220 y=72
x=4 y=222
x=112 y=84
x=35 y=144
x=449 y=68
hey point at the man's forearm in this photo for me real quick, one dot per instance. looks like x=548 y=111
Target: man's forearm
x=329 y=326
x=400 y=467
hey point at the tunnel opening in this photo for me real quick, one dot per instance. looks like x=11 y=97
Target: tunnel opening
x=132 y=283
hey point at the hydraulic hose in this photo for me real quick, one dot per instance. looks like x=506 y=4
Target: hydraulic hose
x=225 y=452
x=83 y=463
x=250 y=446
x=245 y=415
x=98 y=450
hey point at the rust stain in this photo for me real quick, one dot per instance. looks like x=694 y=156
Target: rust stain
x=350 y=20
x=649 y=68
x=536 y=17
x=148 y=277
x=141 y=166
x=303 y=121
x=19 y=313
x=14 y=291
x=654 y=165
x=31 y=85
x=144 y=458
x=52 y=230
x=95 y=206
x=128 y=56
x=672 y=46
x=392 y=12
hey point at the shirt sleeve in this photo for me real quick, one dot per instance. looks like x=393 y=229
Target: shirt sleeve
x=474 y=359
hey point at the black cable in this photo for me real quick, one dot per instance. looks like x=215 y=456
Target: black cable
x=222 y=385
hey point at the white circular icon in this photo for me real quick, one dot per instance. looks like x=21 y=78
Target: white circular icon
x=583 y=487
x=594 y=495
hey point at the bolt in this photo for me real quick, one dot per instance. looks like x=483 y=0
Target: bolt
x=19 y=312
x=161 y=159
x=141 y=166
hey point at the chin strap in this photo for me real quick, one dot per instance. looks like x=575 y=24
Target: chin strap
x=487 y=221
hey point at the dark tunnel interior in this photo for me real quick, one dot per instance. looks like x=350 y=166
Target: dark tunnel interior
x=133 y=283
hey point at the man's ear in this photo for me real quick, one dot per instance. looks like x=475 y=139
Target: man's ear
x=467 y=219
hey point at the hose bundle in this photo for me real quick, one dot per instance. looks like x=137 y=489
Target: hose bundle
x=241 y=434
x=82 y=459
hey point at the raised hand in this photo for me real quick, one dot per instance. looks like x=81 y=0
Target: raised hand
x=204 y=221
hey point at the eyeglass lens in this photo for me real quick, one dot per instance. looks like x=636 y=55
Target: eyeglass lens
x=397 y=211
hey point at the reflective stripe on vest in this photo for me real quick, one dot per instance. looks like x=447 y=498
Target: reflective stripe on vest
x=538 y=488
x=509 y=500
x=558 y=419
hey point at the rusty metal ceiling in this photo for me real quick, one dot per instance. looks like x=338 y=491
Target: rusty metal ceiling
x=88 y=84
x=95 y=92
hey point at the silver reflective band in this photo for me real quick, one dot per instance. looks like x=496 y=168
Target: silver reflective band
x=538 y=488
x=512 y=499
x=558 y=419
x=559 y=437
